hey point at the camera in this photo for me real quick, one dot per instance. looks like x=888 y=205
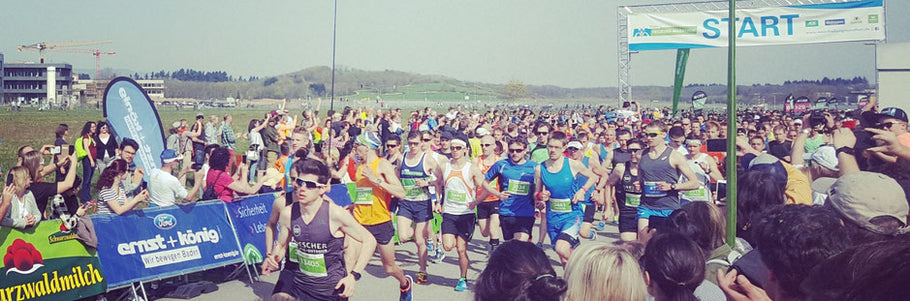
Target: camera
x=817 y=119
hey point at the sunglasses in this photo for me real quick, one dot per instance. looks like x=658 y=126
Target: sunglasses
x=516 y=150
x=572 y=149
x=458 y=148
x=486 y=144
x=413 y=143
x=427 y=140
x=634 y=149
x=391 y=145
x=652 y=135
x=309 y=184
x=885 y=125
x=542 y=133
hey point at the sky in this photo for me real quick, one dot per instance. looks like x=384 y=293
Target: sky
x=564 y=43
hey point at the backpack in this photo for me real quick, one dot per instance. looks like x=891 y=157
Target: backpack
x=209 y=193
x=81 y=152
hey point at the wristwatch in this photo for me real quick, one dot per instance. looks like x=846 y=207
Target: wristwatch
x=356 y=275
x=845 y=149
x=672 y=186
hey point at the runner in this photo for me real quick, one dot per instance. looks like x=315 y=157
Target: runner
x=628 y=192
x=660 y=168
x=575 y=149
x=434 y=253
x=416 y=171
x=488 y=210
x=539 y=154
x=315 y=268
x=554 y=179
x=514 y=177
x=459 y=182
x=376 y=184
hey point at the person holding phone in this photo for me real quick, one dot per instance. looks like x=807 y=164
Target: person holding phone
x=111 y=194
x=660 y=168
x=18 y=202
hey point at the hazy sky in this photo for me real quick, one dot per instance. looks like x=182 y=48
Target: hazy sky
x=564 y=43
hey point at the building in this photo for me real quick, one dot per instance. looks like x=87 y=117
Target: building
x=36 y=83
x=91 y=89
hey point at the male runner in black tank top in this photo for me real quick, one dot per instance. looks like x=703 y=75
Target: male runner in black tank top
x=315 y=269
x=659 y=170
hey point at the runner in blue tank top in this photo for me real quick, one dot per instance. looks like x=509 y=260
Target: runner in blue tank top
x=575 y=151
x=554 y=179
x=311 y=238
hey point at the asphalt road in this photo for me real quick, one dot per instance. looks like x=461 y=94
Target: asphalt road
x=375 y=285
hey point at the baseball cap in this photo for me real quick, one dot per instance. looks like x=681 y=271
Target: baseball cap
x=892 y=112
x=272 y=176
x=176 y=124
x=200 y=115
x=169 y=155
x=369 y=139
x=482 y=132
x=862 y=196
x=825 y=156
x=575 y=144
x=445 y=135
x=768 y=164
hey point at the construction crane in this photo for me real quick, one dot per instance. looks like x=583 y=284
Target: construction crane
x=42 y=46
x=97 y=53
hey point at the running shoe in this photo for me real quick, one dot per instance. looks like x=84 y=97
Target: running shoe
x=462 y=285
x=601 y=226
x=593 y=235
x=438 y=256
x=422 y=278
x=406 y=293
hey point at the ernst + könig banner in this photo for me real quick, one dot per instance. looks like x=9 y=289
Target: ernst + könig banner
x=788 y=25
x=165 y=241
x=45 y=263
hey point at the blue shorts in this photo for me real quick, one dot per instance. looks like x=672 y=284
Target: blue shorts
x=416 y=211
x=645 y=213
x=564 y=228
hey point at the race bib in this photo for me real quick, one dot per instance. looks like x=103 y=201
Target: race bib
x=292 y=251
x=456 y=197
x=651 y=190
x=633 y=200
x=701 y=192
x=364 y=196
x=519 y=187
x=312 y=265
x=413 y=191
x=560 y=205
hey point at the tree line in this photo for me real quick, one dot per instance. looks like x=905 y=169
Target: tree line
x=191 y=75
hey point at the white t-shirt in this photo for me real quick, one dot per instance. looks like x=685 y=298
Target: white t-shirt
x=165 y=189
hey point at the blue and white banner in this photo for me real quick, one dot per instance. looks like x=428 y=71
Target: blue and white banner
x=131 y=114
x=250 y=216
x=161 y=242
x=797 y=24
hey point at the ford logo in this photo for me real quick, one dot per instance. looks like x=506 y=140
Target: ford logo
x=165 y=221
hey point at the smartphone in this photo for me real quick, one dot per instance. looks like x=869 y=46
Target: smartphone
x=9 y=179
x=716 y=145
x=657 y=222
x=196 y=166
x=55 y=150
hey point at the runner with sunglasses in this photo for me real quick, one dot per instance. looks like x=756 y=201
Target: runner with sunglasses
x=660 y=167
x=555 y=180
x=488 y=209
x=434 y=252
x=628 y=192
x=376 y=184
x=416 y=172
x=514 y=176
x=313 y=231
x=576 y=151
x=459 y=180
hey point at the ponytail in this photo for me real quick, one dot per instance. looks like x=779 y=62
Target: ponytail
x=545 y=287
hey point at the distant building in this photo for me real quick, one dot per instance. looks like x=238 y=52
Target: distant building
x=94 y=89
x=36 y=83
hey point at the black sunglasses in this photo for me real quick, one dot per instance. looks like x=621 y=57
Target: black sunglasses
x=391 y=145
x=652 y=135
x=309 y=184
x=427 y=140
x=885 y=125
x=486 y=144
x=458 y=148
x=516 y=150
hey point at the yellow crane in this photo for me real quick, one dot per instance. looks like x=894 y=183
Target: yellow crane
x=43 y=46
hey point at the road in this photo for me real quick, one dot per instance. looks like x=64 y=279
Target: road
x=375 y=283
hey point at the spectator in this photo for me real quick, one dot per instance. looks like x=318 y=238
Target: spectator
x=674 y=269
x=254 y=155
x=873 y=206
x=518 y=270
x=220 y=180
x=703 y=223
x=894 y=120
x=164 y=188
x=780 y=147
x=173 y=138
x=106 y=144
x=111 y=194
x=875 y=271
x=604 y=272
x=198 y=136
x=61 y=133
x=87 y=152
x=31 y=160
x=132 y=183
x=22 y=211
x=795 y=183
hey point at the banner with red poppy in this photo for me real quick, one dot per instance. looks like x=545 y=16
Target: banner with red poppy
x=45 y=263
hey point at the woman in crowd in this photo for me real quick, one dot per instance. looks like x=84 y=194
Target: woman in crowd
x=220 y=180
x=88 y=154
x=111 y=193
x=604 y=272
x=519 y=270
x=256 y=149
x=757 y=191
x=106 y=144
x=61 y=134
x=703 y=223
x=21 y=212
x=675 y=270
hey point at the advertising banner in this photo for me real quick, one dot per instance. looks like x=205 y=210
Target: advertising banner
x=789 y=103
x=131 y=114
x=682 y=56
x=45 y=263
x=787 y=25
x=699 y=98
x=802 y=105
x=250 y=216
x=165 y=241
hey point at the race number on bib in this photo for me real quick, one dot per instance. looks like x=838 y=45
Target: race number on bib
x=413 y=191
x=519 y=187
x=312 y=265
x=561 y=205
x=363 y=196
x=633 y=200
x=701 y=192
x=456 y=197
x=652 y=190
